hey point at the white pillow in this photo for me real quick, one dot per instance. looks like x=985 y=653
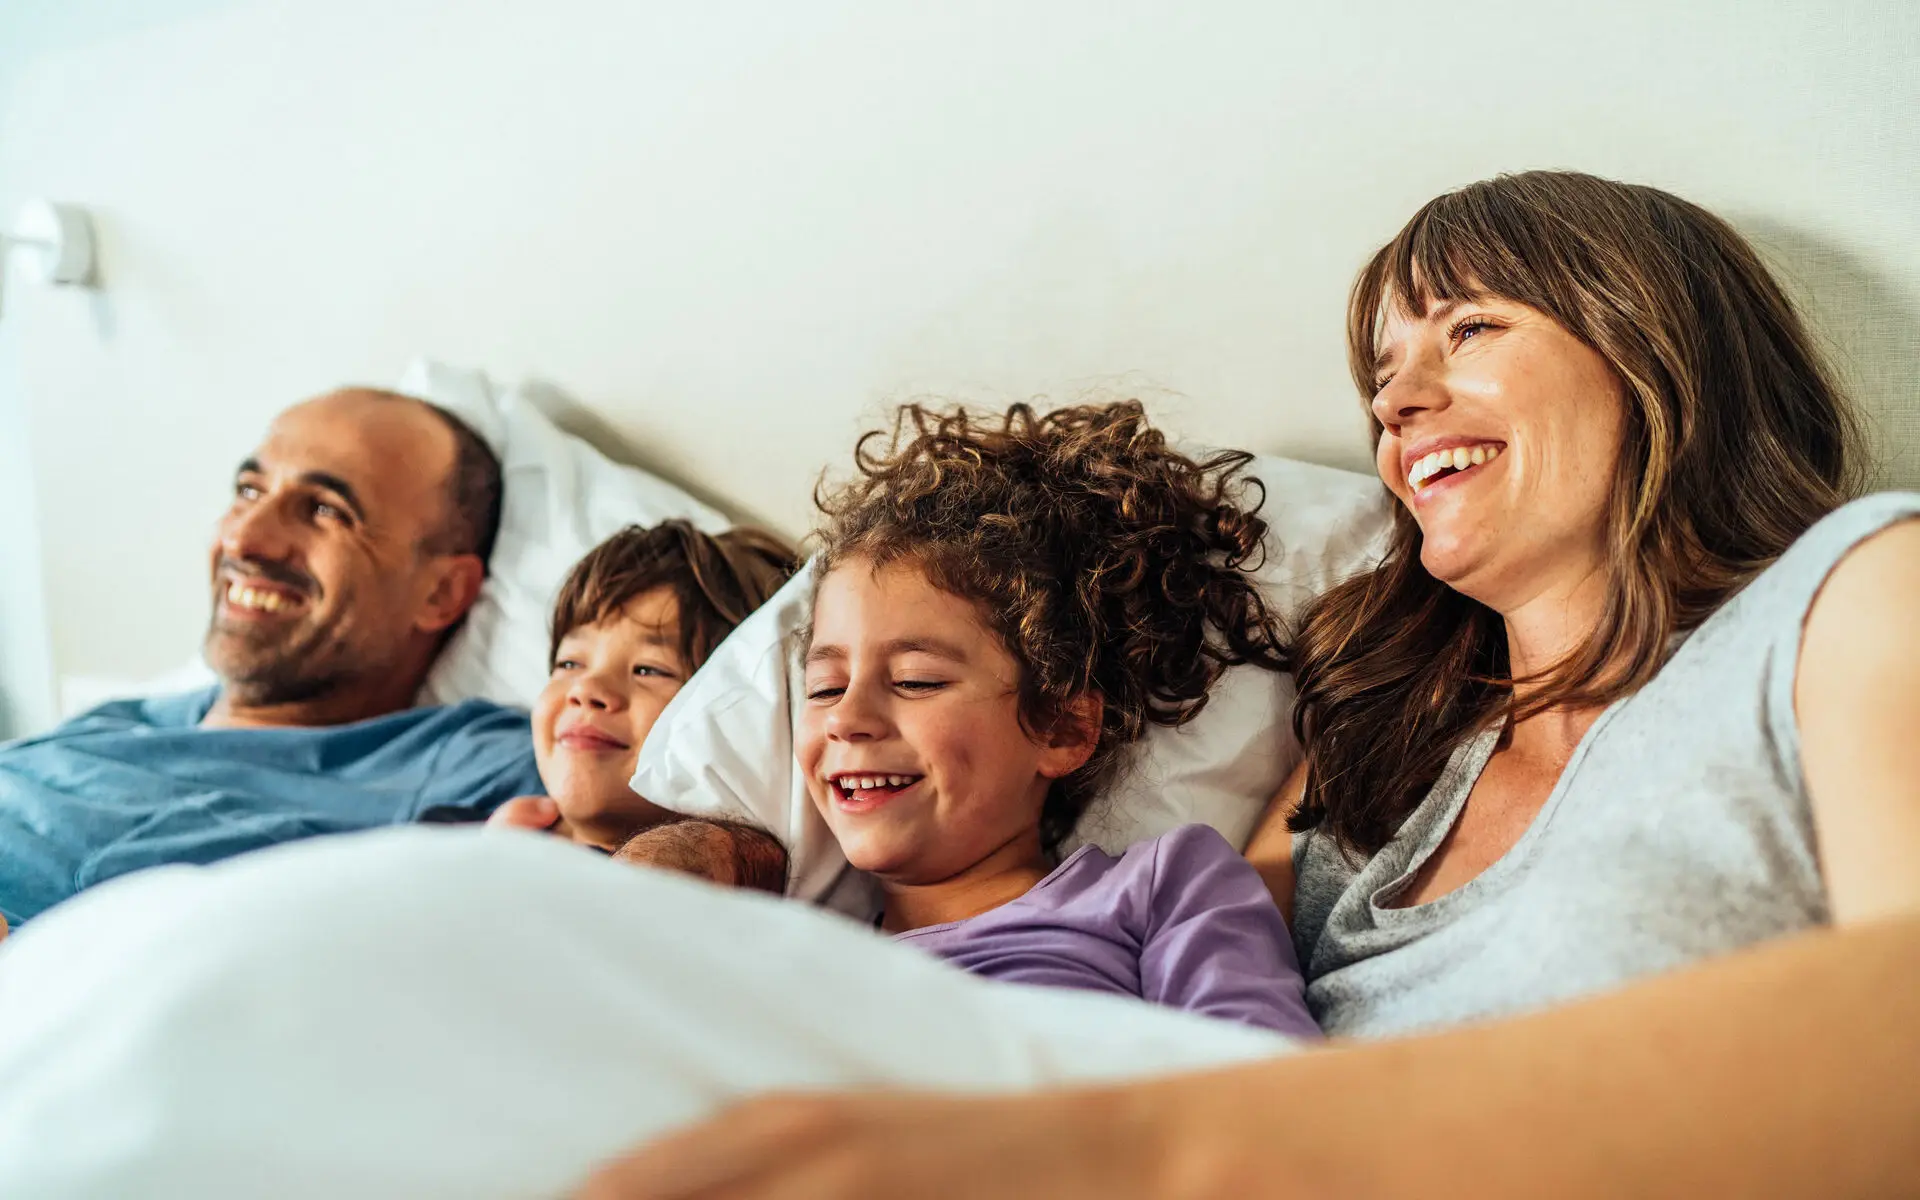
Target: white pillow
x=724 y=745
x=562 y=498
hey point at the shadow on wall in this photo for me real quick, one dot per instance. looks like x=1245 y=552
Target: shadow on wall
x=572 y=417
x=1870 y=329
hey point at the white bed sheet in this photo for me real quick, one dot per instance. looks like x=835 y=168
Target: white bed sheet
x=466 y=1013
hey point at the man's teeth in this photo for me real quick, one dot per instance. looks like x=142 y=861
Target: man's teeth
x=241 y=596
x=856 y=783
x=1457 y=458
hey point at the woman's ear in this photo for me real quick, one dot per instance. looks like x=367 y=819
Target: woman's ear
x=1073 y=738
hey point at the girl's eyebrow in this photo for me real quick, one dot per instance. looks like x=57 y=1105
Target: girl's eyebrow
x=926 y=645
x=908 y=645
x=819 y=653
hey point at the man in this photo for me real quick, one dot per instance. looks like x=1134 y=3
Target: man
x=356 y=541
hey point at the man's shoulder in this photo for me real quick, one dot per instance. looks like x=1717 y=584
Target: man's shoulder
x=178 y=710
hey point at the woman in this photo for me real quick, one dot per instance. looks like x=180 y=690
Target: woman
x=1622 y=698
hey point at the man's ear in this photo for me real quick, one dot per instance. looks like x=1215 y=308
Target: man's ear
x=1074 y=736
x=456 y=586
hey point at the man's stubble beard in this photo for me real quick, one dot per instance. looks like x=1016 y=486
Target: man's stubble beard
x=265 y=669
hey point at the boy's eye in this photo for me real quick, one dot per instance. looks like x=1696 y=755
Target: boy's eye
x=825 y=692
x=920 y=685
x=649 y=671
x=566 y=664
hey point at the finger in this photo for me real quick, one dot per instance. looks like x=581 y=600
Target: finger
x=525 y=812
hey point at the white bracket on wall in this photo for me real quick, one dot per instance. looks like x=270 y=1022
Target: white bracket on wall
x=56 y=243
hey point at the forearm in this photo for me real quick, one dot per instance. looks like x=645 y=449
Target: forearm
x=729 y=852
x=1787 y=1071
x=1270 y=849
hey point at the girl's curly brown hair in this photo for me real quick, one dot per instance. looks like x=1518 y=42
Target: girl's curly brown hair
x=1106 y=561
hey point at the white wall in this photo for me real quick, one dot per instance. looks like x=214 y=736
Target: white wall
x=735 y=229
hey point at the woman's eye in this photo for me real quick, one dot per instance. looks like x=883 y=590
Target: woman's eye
x=1465 y=328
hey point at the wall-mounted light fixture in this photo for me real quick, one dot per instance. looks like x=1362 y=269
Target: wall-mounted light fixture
x=54 y=244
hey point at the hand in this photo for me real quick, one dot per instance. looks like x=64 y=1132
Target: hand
x=525 y=812
x=1061 y=1145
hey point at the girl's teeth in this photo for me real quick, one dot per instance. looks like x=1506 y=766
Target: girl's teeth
x=861 y=783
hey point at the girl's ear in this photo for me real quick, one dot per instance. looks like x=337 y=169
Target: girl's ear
x=1073 y=738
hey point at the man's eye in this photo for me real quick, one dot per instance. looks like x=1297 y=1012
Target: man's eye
x=246 y=491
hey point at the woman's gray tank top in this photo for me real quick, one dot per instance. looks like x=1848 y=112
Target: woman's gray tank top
x=1679 y=830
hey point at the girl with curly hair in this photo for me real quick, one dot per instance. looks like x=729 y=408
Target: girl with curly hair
x=1005 y=604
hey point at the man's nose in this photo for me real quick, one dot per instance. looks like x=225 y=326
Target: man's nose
x=259 y=532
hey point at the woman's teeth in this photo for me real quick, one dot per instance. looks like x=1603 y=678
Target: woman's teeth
x=1456 y=458
x=241 y=596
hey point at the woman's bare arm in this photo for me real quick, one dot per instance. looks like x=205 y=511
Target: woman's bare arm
x=1784 y=1072
x=1857 y=700
x=1271 y=848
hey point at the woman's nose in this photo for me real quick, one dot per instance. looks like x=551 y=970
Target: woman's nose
x=1414 y=389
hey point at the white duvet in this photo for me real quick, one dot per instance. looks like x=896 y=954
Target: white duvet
x=463 y=1013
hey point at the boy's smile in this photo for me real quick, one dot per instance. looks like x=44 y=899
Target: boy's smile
x=609 y=684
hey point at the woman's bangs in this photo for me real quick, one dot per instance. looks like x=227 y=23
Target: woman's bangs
x=1452 y=249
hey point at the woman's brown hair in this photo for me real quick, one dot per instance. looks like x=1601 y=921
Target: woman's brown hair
x=1736 y=441
x=1107 y=562
x=717 y=579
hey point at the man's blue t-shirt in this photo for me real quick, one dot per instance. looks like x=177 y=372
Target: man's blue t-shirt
x=137 y=783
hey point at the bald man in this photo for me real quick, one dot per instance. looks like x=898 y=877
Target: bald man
x=356 y=541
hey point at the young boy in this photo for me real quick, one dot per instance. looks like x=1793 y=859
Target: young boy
x=637 y=616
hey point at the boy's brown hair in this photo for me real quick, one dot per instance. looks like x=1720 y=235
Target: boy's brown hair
x=715 y=579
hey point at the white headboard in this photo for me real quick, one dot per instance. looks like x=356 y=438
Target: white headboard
x=736 y=229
